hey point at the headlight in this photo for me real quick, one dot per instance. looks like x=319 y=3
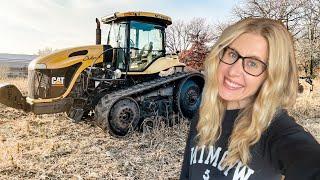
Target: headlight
x=41 y=66
x=33 y=66
x=117 y=74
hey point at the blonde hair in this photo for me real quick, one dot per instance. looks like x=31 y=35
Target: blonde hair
x=279 y=90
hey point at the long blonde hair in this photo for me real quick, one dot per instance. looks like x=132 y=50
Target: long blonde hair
x=279 y=90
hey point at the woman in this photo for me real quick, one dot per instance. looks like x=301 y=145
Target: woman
x=243 y=130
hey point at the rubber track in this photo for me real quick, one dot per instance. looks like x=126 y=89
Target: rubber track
x=103 y=107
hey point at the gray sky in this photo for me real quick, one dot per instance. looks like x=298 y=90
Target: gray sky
x=30 y=25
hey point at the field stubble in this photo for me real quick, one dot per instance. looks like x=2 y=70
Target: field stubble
x=52 y=147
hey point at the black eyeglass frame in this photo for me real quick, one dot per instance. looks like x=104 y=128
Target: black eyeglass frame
x=222 y=53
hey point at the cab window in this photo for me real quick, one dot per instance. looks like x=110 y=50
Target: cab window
x=146 y=44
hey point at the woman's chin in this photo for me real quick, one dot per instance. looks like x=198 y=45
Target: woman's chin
x=230 y=95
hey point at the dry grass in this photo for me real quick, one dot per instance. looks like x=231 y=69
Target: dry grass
x=52 y=147
x=307 y=109
x=20 y=82
x=3 y=71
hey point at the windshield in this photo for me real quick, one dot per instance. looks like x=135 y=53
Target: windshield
x=117 y=35
x=117 y=40
x=146 y=44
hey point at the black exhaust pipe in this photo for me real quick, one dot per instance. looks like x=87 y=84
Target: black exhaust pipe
x=98 y=32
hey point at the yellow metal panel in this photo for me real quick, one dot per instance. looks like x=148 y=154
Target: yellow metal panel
x=160 y=65
x=61 y=59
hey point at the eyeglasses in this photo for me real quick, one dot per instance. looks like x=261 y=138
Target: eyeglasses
x=250 y=65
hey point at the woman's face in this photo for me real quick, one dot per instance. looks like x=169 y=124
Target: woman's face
x=236 y=86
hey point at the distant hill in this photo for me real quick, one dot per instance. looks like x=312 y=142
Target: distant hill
x=17 y=64
x=16 y=60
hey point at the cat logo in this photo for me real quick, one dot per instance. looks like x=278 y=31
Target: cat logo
x=57 y=81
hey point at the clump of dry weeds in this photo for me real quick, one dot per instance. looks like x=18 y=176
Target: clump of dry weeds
x=3 y=71
x=307 y=109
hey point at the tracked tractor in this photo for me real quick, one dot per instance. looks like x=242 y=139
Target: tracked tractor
x=122 y=82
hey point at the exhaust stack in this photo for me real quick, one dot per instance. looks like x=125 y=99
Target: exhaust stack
x=98 y=32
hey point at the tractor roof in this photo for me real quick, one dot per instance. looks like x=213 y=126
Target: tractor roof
x=137 y=15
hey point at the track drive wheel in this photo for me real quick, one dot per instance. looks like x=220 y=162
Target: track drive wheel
x=188 y=98
x=124 y=116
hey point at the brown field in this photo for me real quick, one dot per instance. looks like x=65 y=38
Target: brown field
x=52 y=147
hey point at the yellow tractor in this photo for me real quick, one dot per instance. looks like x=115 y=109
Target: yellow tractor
x=120 y=83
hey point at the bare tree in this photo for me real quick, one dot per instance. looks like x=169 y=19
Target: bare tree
x=219 y=27
x=200 y=36
x=178 y=38
x=181 y=35
x=310 y=39
x=287 y=11
x=192 y=40
x=44 y=51
x=201 y=31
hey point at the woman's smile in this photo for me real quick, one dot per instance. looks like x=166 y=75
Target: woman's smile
x=231 y=85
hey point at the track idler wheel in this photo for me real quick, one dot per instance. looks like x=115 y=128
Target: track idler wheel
x=124 y=116
x=188 y=97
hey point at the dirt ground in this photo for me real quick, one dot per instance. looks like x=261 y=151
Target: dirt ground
x=52 y=147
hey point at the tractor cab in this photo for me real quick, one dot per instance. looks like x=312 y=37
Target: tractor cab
x=134 y=40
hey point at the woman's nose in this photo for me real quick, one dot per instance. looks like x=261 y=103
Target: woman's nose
x=236 y=69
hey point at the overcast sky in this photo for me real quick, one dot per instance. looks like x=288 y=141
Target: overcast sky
x=29 y=25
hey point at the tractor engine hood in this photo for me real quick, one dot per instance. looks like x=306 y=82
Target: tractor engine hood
x=67 y=57
x=53 y=76
x=50 y=80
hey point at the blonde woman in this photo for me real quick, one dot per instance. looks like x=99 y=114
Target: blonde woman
x=242 y=130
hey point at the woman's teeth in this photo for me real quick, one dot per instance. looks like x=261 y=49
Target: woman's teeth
x=231 y=84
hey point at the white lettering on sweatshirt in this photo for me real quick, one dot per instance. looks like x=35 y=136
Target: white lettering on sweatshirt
x=241 y=172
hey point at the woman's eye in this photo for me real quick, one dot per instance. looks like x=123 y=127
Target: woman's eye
x=233 y=55
x=252 y=64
